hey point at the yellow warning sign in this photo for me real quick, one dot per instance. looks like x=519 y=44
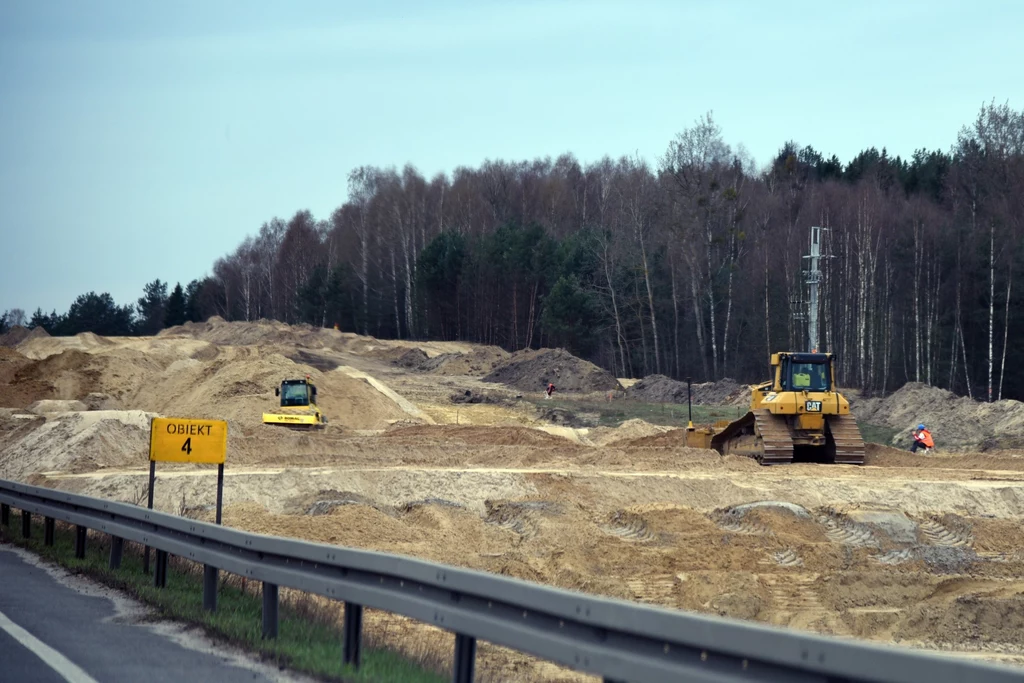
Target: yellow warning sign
x=175 y=439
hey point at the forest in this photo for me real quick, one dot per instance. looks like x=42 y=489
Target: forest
x=691 y=266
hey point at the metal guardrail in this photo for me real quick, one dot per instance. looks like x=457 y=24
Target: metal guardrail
x=615 y=639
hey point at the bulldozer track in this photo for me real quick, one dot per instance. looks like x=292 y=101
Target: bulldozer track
x=776 y=441
x=794 y=593
x=739 y=523
x=787 y=558
x=660 y=589
x=937 y=534
x=895 y=556
x=846 y=436
x=514 y=518
x=843 y=531
x=629 y=526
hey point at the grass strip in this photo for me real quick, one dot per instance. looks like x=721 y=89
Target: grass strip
x=877 y=433
x=309 y=639
x=614 y=413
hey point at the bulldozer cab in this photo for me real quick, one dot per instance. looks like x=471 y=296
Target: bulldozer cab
x=296 y=392
x=803 y=372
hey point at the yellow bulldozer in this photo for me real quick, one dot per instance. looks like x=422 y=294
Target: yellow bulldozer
x=298 y=406
x=796 y=415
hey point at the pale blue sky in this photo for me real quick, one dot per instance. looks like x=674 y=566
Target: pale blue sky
x=145 y=139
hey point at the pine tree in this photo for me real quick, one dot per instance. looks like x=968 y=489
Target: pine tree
x=175 y=311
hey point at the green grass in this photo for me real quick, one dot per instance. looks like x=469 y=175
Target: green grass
x=309 y=640
x=613 y=413
x=877 y=433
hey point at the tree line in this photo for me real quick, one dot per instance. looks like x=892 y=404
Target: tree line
x=99 y=313
x=690 y=267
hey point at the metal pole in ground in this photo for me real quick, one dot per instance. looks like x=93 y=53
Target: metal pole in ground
x=210 y=572
x=270 y=605
x=353 y=634
x=465 y=659
x=689 y=406
x=152 y=480
x=116 y=550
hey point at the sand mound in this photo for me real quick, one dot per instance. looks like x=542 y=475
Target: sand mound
x=532 y=370
x=56 y=406
x=473 y=435
x=662 y=389
x=80 y=442
x=476 y=363
x=218 y=331
x=671 y=438
x=40 y=346
x=205 y=381
x=238 y=386
x=19 y=334
x=628 y=431
x=956 y=422
x=10 y=362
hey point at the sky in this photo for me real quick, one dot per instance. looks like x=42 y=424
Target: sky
x=145 y=140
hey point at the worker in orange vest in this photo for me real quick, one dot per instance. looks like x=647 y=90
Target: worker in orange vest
x=922 y=439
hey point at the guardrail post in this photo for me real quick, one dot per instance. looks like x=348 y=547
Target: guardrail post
x=209 y=588
x=5 y=514
x=26 y=524
x=160 y=572
x=353 y=634
x=116 y=550
x=465 y=659
x=269 y=610
x=80 y=542
x=48 y=525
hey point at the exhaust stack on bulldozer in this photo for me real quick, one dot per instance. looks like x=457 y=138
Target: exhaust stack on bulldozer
x=298 y=406
x=798 y=413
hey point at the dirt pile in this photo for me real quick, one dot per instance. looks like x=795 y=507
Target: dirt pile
x=662 y=389
x=79 y=442
x=18 y=334
x=628 y=431
x=189 y=379
x=263 y=332
x=239 y=386
x=957 y=423
x=69 y=375
x=476 y=363
x=532 y=370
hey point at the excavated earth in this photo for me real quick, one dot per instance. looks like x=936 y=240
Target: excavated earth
x=921 y=551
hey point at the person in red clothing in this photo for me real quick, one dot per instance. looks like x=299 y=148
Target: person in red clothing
x=922 y=439
x=551 y=389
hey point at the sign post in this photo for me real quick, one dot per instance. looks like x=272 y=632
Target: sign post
x=173 y=439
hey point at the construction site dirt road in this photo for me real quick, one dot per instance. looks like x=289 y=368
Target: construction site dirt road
x=446 y=451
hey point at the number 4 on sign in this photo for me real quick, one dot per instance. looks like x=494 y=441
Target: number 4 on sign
x=187 y=446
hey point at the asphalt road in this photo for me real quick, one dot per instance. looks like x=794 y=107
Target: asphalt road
x=52 y=633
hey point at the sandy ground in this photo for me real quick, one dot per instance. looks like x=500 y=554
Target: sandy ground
x=920 y=551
